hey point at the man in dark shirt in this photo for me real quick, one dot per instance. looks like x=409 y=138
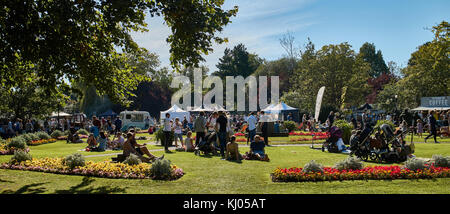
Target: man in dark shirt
x=257 y=149
x=118 y=124
x=222 y=123
x=432 y=126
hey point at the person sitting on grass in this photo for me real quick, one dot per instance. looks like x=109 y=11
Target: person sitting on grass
x=132 y=147
x=232 y=153
x=102 y=142
x=189 y=147
x=91 y=141
x=257 y=150
x=116 y=144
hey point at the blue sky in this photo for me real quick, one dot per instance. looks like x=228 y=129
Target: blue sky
x=396 y=27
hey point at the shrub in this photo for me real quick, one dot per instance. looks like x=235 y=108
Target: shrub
x=34 y=136
x=17 y=142
x=20 y=156
x=161 y=170
x=289 y=125
x=441 y=161
x=83 y=132
x=57 y=133
x=349 y=163
x=3 y=142
x=27 y=138
x=74 y=160
x=346 y=128
x=415 y=164
x=312 y=166
x=42 y=135
x=132 y=160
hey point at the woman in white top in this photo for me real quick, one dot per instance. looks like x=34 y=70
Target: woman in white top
x=178 y=131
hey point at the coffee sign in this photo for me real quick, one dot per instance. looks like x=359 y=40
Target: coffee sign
x=435 y=101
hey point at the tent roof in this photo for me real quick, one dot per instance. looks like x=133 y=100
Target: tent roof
x=422 y=108
x=174 y=108
x=365 y=106
x=215 y=107
x=282 y=107
x=109 y=112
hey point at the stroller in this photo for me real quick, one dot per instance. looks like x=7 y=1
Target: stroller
x=391 y=148
x=360 y=143
x=331 y=143
x=206 y=145
x=394 y=148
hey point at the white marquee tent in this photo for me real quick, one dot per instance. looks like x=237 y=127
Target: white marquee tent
x=278 y=108
x=175 y=112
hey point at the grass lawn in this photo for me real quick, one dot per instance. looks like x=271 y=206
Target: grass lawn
x=206 y=175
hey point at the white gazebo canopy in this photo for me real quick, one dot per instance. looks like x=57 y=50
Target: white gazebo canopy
x=278 y=108
x=215 y=107
x=175 y=112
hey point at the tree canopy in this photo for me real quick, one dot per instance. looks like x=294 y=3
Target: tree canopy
x=89 y=40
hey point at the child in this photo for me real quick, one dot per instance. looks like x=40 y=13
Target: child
x=233 y=150
x=178 y=131
x=189 y=147
x=419 y=128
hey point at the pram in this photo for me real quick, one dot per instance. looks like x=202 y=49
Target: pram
x=331 y=143
x=359 y=143
x=206 y=145
x=387 y=146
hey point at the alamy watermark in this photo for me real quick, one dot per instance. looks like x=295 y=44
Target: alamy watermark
x=256 y=95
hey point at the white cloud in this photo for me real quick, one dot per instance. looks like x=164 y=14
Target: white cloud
x=258 y=25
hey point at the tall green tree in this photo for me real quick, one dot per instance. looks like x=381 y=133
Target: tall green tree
x=375 y=59
x=427 y=73
x=334 y=66
x=88 y=40
x=237 y=62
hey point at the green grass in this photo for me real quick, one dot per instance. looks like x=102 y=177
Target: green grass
x=205 y=175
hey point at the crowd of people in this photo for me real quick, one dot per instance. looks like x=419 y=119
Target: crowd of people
x=221 y=123
x=223 y=126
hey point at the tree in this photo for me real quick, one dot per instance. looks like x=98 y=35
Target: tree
x=28 y=100
x=281 y=67
x=375 y=58
x=88 y=40
x=426 y=75
x=334 y=66
x=237 y=62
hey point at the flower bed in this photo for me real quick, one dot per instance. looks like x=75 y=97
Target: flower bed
x=4 y=150
x=317 y=134
x=308 y=139
x=100 y=169
x=367 y=173
x=42 y=141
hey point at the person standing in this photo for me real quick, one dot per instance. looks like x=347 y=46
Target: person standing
x=178 y=132
x=118 y=124
x=200 y=127
x=264 y=127
x=331 y=118
x=251 y=121
x=221 y=126
x=432 y=126
x=167 y=130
